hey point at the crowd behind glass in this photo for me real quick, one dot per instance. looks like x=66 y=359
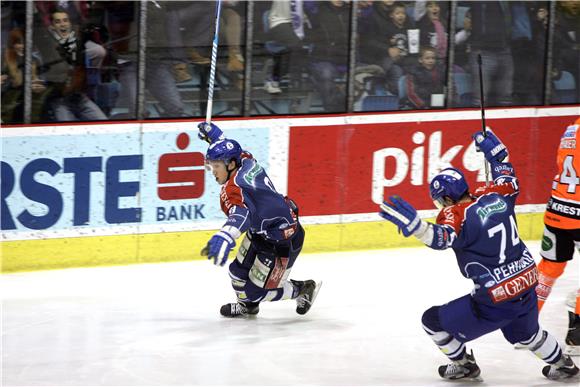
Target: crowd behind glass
x=117 y=60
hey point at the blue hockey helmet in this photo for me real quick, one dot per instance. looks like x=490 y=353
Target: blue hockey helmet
x=449 y=183
x=225 y=150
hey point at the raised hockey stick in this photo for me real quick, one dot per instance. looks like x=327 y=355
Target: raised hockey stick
x=482 y=104
x=213 y=64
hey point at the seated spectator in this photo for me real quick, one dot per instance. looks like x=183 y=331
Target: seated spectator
x=426 y=81
x=567 y=40
x=64 y=71
x=386 y=42
x=13 y=81
x=330 y=30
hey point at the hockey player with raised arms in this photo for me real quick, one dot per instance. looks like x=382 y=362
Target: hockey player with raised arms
x=481 y=229
x=273 y=234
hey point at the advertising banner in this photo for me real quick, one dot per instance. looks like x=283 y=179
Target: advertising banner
x=123 y=179
x=350 y=168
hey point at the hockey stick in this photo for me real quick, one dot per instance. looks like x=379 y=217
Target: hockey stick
x=213 y=64
x=482 y=104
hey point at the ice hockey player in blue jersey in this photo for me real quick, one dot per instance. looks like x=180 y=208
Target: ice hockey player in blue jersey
x=273 y=234
x=481 y=229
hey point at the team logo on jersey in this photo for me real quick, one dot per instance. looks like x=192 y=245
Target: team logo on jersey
x=490 y=209
x=252 y=173
x=547 y=243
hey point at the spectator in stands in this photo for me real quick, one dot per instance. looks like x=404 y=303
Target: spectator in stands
x=286 y=26
x=462 y=44
x=527 y=54
x=386 y=42
x=64 y=70
x=490 y=38
x=330 y=30
x=13 y=81
x=567 y=40
x=232 y=22
x=159 y=62
x=79 y=15
x=433 y=29
x=426 y=81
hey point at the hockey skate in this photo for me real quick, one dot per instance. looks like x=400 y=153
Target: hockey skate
x=466 y=368
x=308 y=292
x=237 y=309
x=573 y=336
x=563 y=369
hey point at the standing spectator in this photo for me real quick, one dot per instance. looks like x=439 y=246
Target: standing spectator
x=286 y=22
x=13 y=81
x=490 y=38
x=527 y=54
x=330 y=29
x=433 y=30
x=79 y=16
x=64 y=71
x=426 y=80
x=481 y=229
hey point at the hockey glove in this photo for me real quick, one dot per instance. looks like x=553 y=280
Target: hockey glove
x=402 y=214
x=209 y=132
x=219 y=247
x=491 y=146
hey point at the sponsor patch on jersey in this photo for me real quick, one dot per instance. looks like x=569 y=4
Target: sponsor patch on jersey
x=514 y=286
x=490 y=209
x=547 y=243
x=250 y=176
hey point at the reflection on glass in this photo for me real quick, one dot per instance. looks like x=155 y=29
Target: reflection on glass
x=401 y=55
x=301 y=57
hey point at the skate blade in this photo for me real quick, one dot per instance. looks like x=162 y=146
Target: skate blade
x=572 y=350
x=318 y=286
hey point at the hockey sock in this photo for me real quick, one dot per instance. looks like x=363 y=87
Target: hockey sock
x=549 y=271
x=450 y=346
x=577 y=307
x=544 y=346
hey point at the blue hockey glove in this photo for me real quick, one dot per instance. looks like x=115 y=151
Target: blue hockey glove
x=491 y=146
x=218 y=247
x=209 y=132
x=401 y=214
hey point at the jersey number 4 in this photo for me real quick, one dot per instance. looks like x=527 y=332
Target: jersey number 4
x=501 y=229
x=569 y=175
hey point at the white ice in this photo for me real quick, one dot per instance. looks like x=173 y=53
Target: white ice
x=158 y=324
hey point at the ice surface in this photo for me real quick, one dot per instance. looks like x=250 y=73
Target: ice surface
x=160 y=325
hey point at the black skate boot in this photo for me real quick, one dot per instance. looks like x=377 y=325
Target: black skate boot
x=563 y=369
x=573 y=336
x=465 y=368
x=236 y=309
x=307 y=294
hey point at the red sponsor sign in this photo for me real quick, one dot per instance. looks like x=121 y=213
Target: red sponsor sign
x=348 y=169
x=514 y=286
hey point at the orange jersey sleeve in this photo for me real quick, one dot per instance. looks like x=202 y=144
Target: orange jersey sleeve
x=563 y=209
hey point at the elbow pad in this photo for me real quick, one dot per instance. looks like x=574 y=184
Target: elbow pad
x=435 y=236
